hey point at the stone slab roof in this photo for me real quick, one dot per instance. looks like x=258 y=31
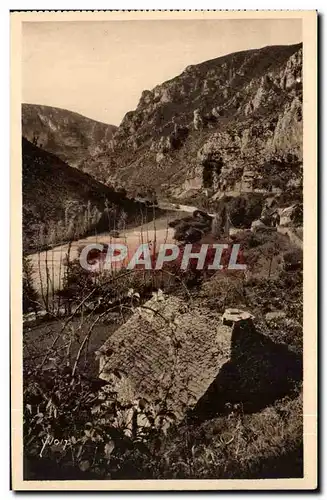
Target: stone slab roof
x=168 y=349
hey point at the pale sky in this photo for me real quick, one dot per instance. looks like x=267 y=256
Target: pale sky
x=100 y=68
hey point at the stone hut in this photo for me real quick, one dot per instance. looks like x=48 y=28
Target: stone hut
x=167 y=349
x=183 y=354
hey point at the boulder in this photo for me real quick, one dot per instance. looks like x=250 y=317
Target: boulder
x=257 y=224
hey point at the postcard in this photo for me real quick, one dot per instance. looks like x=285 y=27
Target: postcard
x=163 y=250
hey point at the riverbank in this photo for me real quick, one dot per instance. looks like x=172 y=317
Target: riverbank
x=49 y=265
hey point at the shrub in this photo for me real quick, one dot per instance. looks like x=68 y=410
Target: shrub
x=293 y=259
x=191 y=229
x=242 y=210
x=79 y=430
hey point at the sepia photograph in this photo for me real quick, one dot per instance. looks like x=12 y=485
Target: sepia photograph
x=163 y=250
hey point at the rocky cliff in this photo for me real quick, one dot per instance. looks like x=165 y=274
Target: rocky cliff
x=72 y=137
x=231 y=123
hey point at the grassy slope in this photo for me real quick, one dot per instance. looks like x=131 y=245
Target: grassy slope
x=55 y=194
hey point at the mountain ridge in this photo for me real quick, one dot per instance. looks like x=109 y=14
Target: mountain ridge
x=71 y=136
x=183 y=131
x=228 y=124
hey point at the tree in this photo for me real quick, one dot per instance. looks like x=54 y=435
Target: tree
x=122 y=220
x=30 y=295
x=270 y=250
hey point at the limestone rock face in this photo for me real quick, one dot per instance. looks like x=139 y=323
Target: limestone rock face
x=215 y=121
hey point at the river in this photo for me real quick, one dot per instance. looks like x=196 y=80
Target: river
x=49 y=265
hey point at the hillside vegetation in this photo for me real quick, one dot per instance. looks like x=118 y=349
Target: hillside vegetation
x=61 y=203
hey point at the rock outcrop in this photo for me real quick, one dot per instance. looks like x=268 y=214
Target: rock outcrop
x=220 y=125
